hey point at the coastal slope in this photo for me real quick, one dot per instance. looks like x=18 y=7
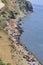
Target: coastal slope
x=11 y=49
x=17 y=7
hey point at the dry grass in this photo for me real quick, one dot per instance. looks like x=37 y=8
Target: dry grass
x=5 y=53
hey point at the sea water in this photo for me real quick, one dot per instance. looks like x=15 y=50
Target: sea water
x=32 y=36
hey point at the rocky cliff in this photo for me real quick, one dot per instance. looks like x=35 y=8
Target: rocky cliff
x=11 y=11
x=13 y=8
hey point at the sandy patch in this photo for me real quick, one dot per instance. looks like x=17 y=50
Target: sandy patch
x=1 y=5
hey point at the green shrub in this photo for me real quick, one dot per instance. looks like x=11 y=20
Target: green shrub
x=8 y=64
x=1 y=63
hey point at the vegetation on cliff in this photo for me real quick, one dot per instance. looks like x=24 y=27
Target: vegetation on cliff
x=1 y=63
x=11 y=9
x=14 y=8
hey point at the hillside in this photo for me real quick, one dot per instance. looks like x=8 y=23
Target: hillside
x=14 y=8
x=11 y=11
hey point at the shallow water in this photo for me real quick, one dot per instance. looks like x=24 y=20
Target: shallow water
x=32 y=36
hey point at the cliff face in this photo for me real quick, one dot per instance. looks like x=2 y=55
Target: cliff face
x=12 y=9
x=16 y=7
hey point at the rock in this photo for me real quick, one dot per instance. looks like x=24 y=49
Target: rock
x=16 y=6
x=29 y=6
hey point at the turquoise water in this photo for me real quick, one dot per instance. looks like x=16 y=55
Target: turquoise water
x=32 y=36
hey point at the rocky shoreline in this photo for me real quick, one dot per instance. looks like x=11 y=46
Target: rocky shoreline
x=18 y=51
x=12 y=27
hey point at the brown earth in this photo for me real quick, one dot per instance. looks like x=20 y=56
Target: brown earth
x=5 y=52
